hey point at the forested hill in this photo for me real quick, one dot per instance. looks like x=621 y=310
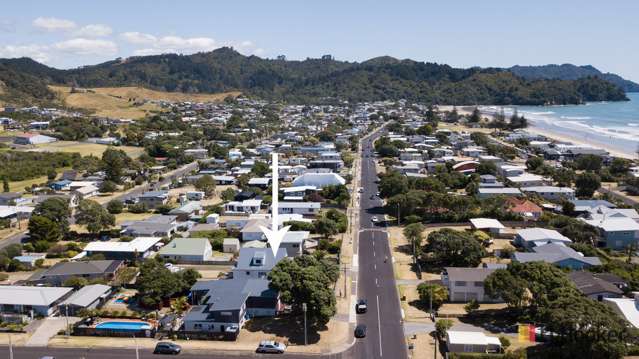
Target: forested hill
x=572 y=72
x=317 y=80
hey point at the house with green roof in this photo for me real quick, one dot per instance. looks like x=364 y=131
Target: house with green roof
x=187 y=250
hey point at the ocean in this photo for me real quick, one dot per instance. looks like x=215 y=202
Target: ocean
x=611 y=125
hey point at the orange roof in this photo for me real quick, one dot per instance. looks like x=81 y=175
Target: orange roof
x=521 y=205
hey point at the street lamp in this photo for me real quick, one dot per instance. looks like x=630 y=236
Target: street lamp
x=305 y=335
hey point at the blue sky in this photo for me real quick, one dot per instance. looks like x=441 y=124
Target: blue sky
x=501 y=33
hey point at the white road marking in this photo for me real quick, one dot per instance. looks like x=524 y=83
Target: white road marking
x=373 y=253
x=375 y=265
x=379 y=328
x=376 y=283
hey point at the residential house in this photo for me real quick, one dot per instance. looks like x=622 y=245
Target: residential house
x=32 y=301
x=256 y=262
x=465 y=284
x=87 y=192
x=627 y=308
x=245 y=207
x=594 y=287
x=89 y=270
x=231 y=245
x=303 y=208
x=252 y=230
x=489 y=225
x=154 y=199
x=195 y=195
x=294 y=242
x=187 y=211
x=155 y=226
x=139 y=248
x=526 y=180
x=529 y=238
x=489 y=181
x=618 y=231
x=92 y=296
x=260 y=182
x=551 y=193
x=223 y=306
x=484 y=192
x=187 y=250
x=458 y=341
x=523 y=207
x=557 y=254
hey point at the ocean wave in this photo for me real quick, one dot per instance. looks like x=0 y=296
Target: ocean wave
x=633 y=124
x=576 y=117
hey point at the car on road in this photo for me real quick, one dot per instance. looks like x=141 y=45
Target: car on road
x=360 y=331
x=167 y=348
x=270 y=346
x=374 y=219
x=361 y=190
x=361 y=306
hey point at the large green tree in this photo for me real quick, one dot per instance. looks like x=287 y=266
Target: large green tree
x=206 y=184
x=307 y=279
x=50 y=220
x=115 y=162
x=587 y=183
x=455 y=248
x=94 y=216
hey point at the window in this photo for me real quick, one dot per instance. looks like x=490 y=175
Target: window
x=479 y=284
x=248 y=273
x=460 y=283
x=197 y=326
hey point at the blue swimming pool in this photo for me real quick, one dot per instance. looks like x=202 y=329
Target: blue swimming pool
x=124 y=326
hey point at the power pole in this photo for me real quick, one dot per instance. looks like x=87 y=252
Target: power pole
x=305 y=334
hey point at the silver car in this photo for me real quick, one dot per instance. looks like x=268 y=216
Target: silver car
x=270 y=346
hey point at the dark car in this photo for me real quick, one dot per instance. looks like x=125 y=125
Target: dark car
x=361 y=306
x=360 y=331
x=167 y=348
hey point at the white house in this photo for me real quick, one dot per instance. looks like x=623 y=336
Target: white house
x=303 y=208
x=532 y=237
x=246 y=206
x=32 y=301
x=458 y=341
x=551 y=193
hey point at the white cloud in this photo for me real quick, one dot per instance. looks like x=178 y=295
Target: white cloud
x=54 y=24
x=94 y=30
x=154 y=45
x=36 y=52
x=82 y=46
x=138 y=38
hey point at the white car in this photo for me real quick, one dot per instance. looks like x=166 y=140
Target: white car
x=374 y=219
x=270 y=346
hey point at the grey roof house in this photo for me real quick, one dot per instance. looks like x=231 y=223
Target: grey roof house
x=256 y=262
x=88 y=297
x=90 y=270
x=187 y=250
x=223 y=306
x=31 y=301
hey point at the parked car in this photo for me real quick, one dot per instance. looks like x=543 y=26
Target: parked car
x=361 y=306
x=167 y=348
x=374 y=219
x=270 y=346
x=360 y=331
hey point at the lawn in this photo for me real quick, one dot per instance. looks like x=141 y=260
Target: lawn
x=127 y=216
x=123 y=102
x=19 y=186
x=86 y=149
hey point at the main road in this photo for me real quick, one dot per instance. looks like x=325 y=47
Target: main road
x=376 y=280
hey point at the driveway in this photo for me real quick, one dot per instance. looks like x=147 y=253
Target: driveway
x=47 y=329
